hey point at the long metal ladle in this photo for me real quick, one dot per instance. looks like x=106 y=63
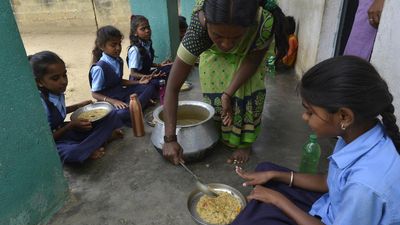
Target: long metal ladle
x=200 y=185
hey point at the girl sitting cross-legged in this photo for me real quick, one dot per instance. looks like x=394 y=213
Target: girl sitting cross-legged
x=106 y=75
x=141 y=53
x=79 y=139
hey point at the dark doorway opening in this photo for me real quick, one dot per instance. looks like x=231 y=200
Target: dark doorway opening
x=349 y=10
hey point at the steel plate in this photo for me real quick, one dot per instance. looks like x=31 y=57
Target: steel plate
x=96 y=105
x=195 y=196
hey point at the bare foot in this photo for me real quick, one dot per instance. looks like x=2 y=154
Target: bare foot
x=116 y=134
x=239 y=156
x=98 y=153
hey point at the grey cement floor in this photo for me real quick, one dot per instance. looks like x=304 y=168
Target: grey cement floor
x=133 y=185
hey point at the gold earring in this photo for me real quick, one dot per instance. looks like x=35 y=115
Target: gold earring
x=342 y=126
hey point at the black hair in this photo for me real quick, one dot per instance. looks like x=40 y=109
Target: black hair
x=41 y=61
x=136 y=20
x=103 y=35
x=291 y=25
x=182 y=23
x=243 y=13
x=351 y=82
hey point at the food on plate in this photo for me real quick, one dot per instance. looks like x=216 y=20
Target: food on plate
x=186 y=86
x=219 y=210
x=93 y=115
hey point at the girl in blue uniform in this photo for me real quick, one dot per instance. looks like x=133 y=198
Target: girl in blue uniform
x=141 y=53
x=343 y=97
x=79 y=139
x=106 y=75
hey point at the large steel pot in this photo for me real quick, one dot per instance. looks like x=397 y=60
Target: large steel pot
x=195 y=130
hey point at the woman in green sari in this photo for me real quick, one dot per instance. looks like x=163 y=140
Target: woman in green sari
x=231 y=37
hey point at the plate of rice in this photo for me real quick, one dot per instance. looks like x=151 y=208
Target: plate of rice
x=92 y=112
x=221 y=210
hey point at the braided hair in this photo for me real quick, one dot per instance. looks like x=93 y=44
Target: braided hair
x=243 y=13
x=136 y=20
x=349 y=81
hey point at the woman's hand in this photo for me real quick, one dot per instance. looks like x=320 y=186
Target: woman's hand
x=254 y=178
x=117 y=103
x=227 y=112
x=374 y=12
x=173 y=152
x=81 y=124
x=266 y=195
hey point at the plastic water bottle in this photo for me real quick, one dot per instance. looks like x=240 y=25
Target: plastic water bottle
x=162 y=91
x=310 y=157
x=271 y=66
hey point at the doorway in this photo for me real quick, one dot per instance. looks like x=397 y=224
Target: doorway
x=346 y=23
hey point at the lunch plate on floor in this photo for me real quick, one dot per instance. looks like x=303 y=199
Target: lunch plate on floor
x=195 y=196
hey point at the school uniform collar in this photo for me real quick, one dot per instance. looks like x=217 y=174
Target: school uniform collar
x=345 y=154
x=145 y=44
x=59 y=102
x=110 y=58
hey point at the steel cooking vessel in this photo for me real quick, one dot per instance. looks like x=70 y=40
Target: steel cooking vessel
x=195 y=130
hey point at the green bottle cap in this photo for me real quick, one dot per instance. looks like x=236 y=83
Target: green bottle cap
x=313 y=137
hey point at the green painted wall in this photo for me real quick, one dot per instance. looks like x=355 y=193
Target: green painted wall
x=32 y=186
x=187 y=8
x=163 y=18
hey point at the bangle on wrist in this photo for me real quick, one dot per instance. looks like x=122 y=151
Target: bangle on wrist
x=170 y=138
x=224 y=93
x=291 y=178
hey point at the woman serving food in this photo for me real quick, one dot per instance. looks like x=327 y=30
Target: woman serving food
x=232 y=37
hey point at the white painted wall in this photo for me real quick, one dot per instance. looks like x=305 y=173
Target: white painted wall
x=329 y=30
x=309 y=16
x=318 y=25
x=387 y=46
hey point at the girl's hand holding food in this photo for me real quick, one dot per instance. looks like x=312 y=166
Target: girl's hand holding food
x=81 y=124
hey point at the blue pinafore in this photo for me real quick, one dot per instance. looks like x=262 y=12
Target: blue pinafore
x=114 y=89
x=260 y=213
x=76 y=146
x=147 y=63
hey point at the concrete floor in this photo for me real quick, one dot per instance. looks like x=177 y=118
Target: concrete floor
x=134 y=185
